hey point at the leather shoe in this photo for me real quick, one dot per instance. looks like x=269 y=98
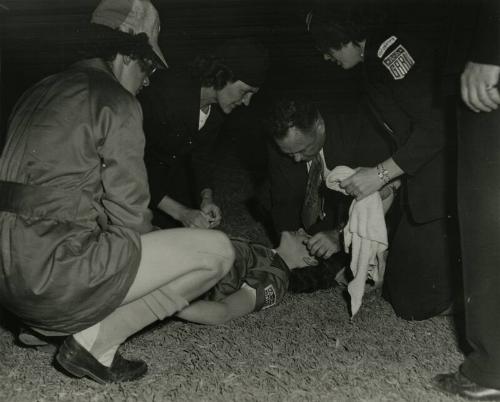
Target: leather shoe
x=457 y=384
x=76 y=360
x=28 y=338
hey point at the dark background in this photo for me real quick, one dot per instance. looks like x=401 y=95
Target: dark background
x=39 y=37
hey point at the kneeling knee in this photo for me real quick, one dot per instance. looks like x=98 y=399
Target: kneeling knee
x=225 y=254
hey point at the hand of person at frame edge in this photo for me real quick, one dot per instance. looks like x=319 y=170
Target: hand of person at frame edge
x=194 y=218
x=212 y=212
x=479 y=87
x=364 y=182
x=324 y=244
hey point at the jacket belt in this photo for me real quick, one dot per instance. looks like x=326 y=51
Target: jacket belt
x=44 y=201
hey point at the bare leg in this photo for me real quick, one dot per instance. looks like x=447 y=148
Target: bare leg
x=177 y=265
x=190 y=261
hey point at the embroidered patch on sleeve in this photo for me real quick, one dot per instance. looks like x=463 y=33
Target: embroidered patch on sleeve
x=269 y=297
x=399 y=62
x=385 y=45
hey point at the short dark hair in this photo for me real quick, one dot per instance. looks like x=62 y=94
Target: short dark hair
x=104 y=42
x=286 y=113
x=211 y=71
x=336 y=26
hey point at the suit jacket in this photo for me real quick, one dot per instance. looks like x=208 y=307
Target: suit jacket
x=486 y=44
x=171 y=106
x=351 y=140
x=401 y=85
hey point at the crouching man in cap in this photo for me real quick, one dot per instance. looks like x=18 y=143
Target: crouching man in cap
x=183 y=113
x=78 y=256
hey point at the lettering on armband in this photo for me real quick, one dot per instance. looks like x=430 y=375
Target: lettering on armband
x=269 y=296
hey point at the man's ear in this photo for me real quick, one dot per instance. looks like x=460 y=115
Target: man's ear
x=321 y=124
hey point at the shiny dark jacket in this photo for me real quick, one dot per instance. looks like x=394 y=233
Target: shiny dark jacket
x=73 y=200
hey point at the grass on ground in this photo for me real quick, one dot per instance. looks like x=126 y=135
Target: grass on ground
x=304 y=349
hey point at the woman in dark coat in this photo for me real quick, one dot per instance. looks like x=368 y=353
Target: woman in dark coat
x=183 y=113
x=78 y=255
x=399 y=76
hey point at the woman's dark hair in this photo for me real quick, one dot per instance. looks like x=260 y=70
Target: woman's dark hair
x=286 y=113
x=104 y=42
x=211 y=71
x=335 y=26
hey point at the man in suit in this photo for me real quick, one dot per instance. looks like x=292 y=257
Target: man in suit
x=302 y=137
x=478 y=199
x=183 y=114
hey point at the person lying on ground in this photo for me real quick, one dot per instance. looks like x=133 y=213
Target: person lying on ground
x=258 y=279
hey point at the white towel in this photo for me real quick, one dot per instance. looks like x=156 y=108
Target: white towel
x=366 y=234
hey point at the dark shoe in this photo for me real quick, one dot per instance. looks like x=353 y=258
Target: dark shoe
x=31 y=339
x=457 y=384
x=27 y=337
x=79 y=362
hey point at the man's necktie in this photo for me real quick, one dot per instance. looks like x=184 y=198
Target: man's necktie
x=313 y=202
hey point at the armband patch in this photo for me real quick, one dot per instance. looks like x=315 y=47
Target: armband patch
x=399 y=62
x=269 y=297
x=385 y=45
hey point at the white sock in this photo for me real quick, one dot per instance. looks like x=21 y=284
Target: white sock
x=106 y=359
x=88 y=336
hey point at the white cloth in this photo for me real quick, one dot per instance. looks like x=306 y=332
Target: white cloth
x=366 y=235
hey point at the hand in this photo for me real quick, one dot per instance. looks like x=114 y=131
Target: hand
x=194 y=218
x=212 y=211
x=477 y=85
x=362 y=183
x=389 y=189
x=324 y=244
x=293 y=249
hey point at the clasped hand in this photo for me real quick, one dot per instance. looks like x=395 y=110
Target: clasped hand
x=212 y=212
x=362 y=183
x=207 y=217
x=479 y=86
